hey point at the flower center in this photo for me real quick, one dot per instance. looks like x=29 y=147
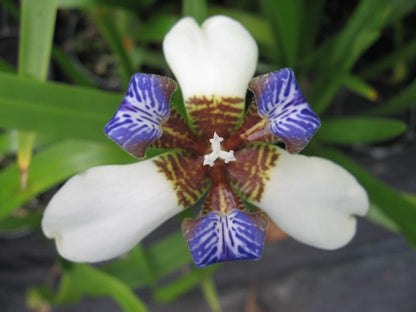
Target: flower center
x=217 y=152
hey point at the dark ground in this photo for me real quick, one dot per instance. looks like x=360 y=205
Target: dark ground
x=375 y=272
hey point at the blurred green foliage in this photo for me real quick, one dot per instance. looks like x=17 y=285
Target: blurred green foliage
x=69 y=119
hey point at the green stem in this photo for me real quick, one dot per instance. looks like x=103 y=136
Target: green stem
x=210 y=294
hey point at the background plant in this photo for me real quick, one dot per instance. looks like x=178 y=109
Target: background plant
x=55 y=128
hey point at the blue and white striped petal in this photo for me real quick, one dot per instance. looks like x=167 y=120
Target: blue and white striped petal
x=282 y=103
x=217 y=237
x=137 y=121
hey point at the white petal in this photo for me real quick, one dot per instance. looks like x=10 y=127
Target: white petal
x=218 y=58
x=105 y=211
x=314 y=200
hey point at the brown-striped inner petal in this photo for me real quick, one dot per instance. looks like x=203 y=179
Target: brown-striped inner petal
x=250 y=172
x=221 y=196
x=253 y=129
x=176 y=134
x=189 y=177
x=215 y=114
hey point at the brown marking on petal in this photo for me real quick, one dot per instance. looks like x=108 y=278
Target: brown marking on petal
x=253 y=129
x=274 y=233
x=187 y=174
x=221 y=196
x=250 y=173
x=257 y=84
x=167 y=85
x=128 y=44
x=138 y=150
x=215 y=114
x=176 y=134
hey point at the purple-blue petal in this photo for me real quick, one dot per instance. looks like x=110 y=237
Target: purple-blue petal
x=282 y=103
x=217 y=237
x=137 y=121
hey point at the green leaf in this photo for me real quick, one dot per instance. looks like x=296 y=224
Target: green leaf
x=403 y=53
x=354 y=130
x=310 y=22
x=127 y=25
x=21 y=223
x=316 y=60
x=285 y=17
x=83 y=280
x=52 y=166
x=36 y=34
x=162 y=258
x=55 y=109
x=399 y=103
x=399 y=9
x=8 y=142
x=128 y=4
x=411 y=197
x=11 y=8
x=39 y=298
x=195 y=8
x=6 y=67
x=105 y=21
x=133 y=270
x=26 y=141
x=376 y=215
x=362 y=30
x=168 y=255
x=323 y=91
x=359 y=86
x=156 y=27
x=153 y=59
x=35 y=44
x=183 y=284
x=394 y=205
x=71 y=69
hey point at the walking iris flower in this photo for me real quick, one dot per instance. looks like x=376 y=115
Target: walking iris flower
x=227 y=155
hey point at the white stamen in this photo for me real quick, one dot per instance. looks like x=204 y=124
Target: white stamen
x=217 y=152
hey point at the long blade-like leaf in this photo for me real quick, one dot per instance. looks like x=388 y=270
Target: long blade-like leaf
x=112 y=35
x=36 y=34
x=128 y=4
x=36 y=37
x=403 y=53
x=399 y=103
x=363 y=29
x=356 y=130
x=285 y=17
x=84 y=280
x=55 y=109
x=195 y=8
x=359 y=86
